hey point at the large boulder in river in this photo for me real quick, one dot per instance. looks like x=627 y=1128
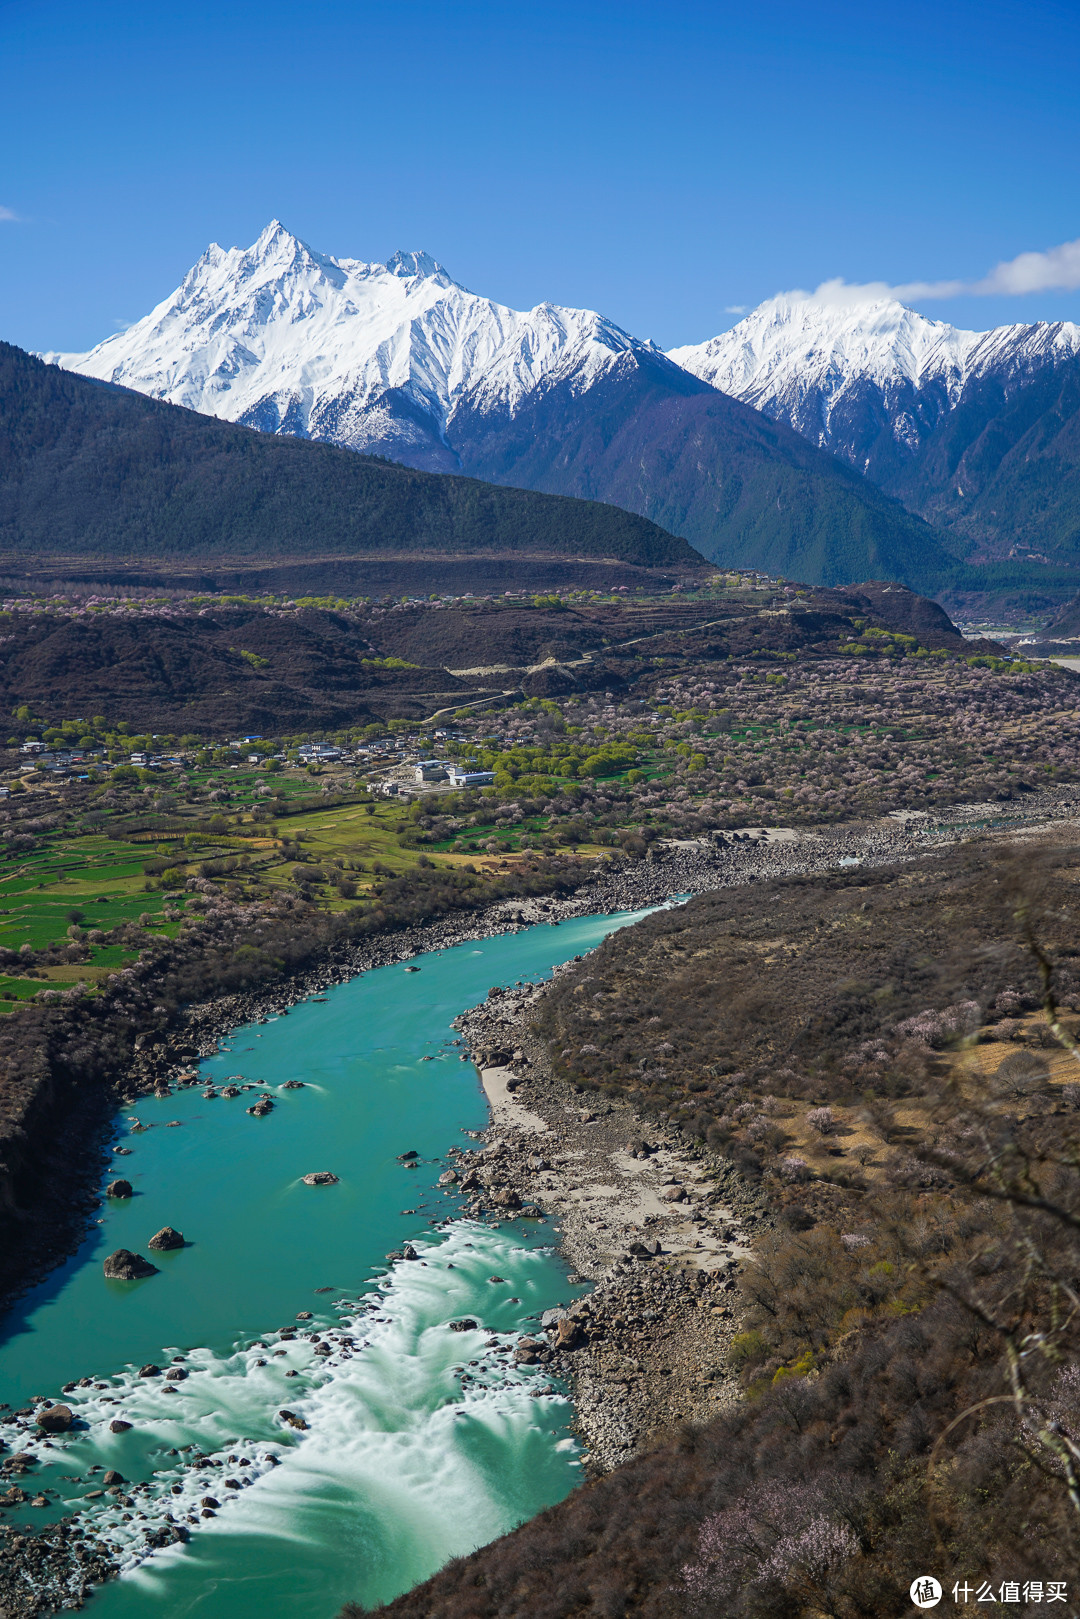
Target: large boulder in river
x=320 y=1177
x=124 y=1266
x=54 y=1418
x=119 y=1188
x=168 y=1237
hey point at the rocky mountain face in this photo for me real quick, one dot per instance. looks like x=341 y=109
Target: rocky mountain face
x=399 y=360
x=376 y=357
x=869 y=381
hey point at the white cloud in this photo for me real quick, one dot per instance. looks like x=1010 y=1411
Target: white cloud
x=1056 y=270
x=8 y=214
x=736 y=309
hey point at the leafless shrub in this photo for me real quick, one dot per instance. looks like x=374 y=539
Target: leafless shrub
x=1019 y=1074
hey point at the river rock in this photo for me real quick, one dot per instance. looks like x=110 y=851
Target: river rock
x=120 y=1188
x=113 y=1477
x=407 y=1157
x=165 y=1535
x=261 y=1108
x=567 y=1334
x=54 y=1418
x=293 y=1085
x=448 y=1178
x=150 y=1370
x=124 y=1266
x=165 y=1239
x=176 y=1375
x=320 y=1177
x=118 y=1425
x=466 y=1324
x=674 y=1194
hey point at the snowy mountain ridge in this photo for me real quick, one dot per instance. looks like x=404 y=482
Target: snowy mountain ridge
x=401 y=360
x=371 y=356
x=384 y=357
x=824 y=364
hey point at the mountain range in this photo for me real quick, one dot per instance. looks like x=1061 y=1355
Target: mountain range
x=977 y=432
x=827 y=438
x=399 y=360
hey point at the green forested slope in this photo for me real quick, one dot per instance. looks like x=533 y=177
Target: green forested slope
x=746 y=491
x=88 y=469
x=1002 y=469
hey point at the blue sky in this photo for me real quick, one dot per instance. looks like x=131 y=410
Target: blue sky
x=660 y=162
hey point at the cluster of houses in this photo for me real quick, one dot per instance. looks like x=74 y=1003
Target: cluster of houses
x=457 y=775
x=426 y=773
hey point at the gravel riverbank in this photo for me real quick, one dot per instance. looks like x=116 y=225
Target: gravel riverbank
x=655 y=1224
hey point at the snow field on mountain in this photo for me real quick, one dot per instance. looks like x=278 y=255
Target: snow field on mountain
x=797 y=357
x=294 y=340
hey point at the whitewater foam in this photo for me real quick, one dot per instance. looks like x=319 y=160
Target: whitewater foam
x=406 y=1425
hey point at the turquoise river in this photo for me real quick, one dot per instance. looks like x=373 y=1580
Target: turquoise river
x=420 y=1443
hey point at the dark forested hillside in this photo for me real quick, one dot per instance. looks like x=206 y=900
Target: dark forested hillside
x=1002 y=468
x=744 y=490
x=88 y=469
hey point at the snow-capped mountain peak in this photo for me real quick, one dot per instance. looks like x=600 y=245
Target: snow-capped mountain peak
x=836 y=366
x=372 y=356
x=797 y=342
x=408 y=265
